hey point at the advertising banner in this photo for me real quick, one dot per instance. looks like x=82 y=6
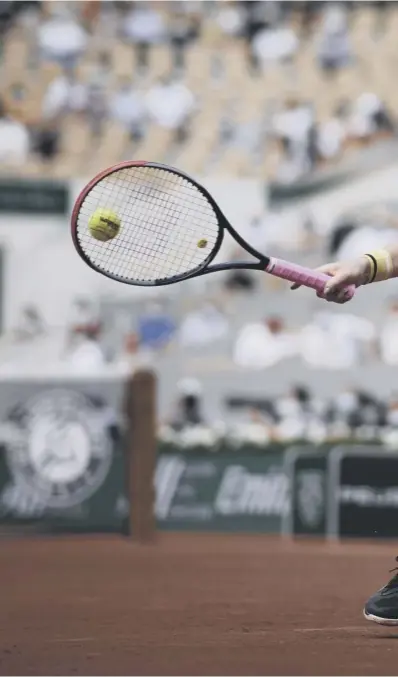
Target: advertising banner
x=227 y=492
x=34 y=197
x=364 y=491
x=61 y=456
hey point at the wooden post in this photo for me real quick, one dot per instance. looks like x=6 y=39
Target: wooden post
x=141 y=449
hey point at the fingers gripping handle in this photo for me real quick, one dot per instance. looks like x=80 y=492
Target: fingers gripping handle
x=304 y=276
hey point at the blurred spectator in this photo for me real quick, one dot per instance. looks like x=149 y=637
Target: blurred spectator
x=155 y=328
x=203 y=326
x=334 y=51
x=97 y=107
x=84 y=320
x=189 y=405
x=389 y=335
x=261 y=345
x=62 y=39
x=369 y=117
x=47 y=139
x=392 y=412
x=101 y=72
x=271 y=45
x=86 y=355
x=344 y=410
x=336 y=341
x=352 y=410
x=181 y=32
x=170 y=105
x=64 y=94
x=260 y=15
x=128 y=107
x=297 y=416
x=143 y=26
x=332 y=133
x=230 y=17
x=14 y=140
x=30 y=324
x=294 y=127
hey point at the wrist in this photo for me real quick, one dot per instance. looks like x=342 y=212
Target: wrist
x=367 y=270
x=379 y=266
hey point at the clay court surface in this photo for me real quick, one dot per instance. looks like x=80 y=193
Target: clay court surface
x=191 y=605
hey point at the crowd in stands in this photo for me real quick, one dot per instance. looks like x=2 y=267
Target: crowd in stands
x=352 y=414
x=327 y=340
x=266 y=88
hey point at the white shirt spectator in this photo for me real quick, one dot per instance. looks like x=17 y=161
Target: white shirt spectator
x=362 y=122
x=258 y=348
x=128 y=106
x=62 y=38
x=230 y=19
x=64 y=94
x=169 y=105
x=203 y=327
x=331 y=136
x=14 y=142
x=294 y=123
x=145 y=25
x=275 y=45
x=87 y=356
x=335 y=341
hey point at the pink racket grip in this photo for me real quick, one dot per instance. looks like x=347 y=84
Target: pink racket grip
x=304 y=276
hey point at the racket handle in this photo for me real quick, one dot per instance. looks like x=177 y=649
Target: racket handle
x=304 y=276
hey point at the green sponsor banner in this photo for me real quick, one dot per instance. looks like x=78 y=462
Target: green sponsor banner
x=62 y=461
x=307 y=472
x=33 y=197
x=227 y=492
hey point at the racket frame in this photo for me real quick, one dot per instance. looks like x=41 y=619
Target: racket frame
x=204 y=267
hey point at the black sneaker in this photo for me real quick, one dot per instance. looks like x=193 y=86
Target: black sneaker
x=382 y=607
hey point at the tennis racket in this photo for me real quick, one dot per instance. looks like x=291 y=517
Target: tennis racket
x=171 y=230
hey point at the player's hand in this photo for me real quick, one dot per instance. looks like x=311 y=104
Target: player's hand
x=342 y=274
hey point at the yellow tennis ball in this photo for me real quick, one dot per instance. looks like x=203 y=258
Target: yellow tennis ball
x=104 y=224
x=202 y=243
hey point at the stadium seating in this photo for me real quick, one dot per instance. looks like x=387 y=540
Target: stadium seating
x=372 y=68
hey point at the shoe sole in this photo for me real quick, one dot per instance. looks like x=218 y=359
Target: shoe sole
x=380 y=620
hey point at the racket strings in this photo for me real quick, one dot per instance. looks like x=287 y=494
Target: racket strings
x=163 y=219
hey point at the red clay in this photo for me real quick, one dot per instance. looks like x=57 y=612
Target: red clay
x=191 y=605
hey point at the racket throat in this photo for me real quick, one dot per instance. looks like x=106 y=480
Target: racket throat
x=270 y=266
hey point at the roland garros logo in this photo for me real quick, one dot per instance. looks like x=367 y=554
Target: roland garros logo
x=58 y=448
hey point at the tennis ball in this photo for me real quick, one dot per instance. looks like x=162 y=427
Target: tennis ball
x=104 y=224
x=202 y=244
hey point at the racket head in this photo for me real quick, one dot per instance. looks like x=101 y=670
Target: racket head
x=171 y=227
